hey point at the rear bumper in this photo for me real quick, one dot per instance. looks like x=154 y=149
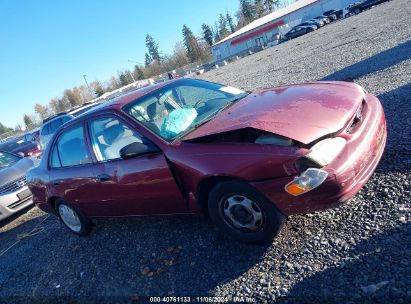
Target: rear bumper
x=10 y=203
x=347 y=174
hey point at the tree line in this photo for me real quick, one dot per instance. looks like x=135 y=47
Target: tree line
x=192 y=49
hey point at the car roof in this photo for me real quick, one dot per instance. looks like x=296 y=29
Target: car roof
x=118 y=102
x=53 y=117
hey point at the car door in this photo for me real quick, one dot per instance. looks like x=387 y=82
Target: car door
x=141 y=185
x=71 y=174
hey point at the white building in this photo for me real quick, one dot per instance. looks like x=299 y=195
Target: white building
x=263 y=30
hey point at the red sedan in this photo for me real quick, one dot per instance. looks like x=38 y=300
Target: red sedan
x=249 y=160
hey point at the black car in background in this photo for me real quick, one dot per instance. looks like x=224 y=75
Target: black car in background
x=333 y=14
x=358 y=7
x=298 y=31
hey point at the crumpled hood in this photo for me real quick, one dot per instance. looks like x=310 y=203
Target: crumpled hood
x=303 y=112
x=16 y=171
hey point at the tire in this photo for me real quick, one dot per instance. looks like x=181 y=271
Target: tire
x=229 y=206
x=357 y=11
x=84 y=224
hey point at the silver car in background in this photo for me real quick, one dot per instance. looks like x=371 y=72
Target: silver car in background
x=14 y=193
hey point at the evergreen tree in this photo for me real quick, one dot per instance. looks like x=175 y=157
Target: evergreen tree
x=4 y=130
x=270 y=4
x=191 y=44
x=216 y=33
x=147 y=60
x=207 y=34
x=152 y=47
x=97 y=88
x=222 y=26
x=138 y=73
x=247 y=11
x=125 y=78
x=230 y=22
x=259 y=8
x=27 y=121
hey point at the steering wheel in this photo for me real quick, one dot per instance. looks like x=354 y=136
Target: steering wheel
x=196 y=105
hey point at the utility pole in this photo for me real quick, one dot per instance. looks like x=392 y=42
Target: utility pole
x=88 y=87
x=132 y=77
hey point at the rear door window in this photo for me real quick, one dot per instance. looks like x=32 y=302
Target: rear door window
x=70 y=149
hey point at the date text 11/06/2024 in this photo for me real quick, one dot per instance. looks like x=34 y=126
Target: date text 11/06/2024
x=206 y=299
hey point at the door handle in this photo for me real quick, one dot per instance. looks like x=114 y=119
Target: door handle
x=103 y=177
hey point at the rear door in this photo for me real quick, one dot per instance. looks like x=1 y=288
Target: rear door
x=136 y=186
x=71 y=173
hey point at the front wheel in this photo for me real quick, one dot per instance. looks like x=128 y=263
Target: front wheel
x=241 y=211
x=357 y=11
x=72 y=218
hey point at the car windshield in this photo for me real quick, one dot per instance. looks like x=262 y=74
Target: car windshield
x=7 y=159
x=13 y=144
x=181 y=106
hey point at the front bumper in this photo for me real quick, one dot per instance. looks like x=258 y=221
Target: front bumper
x=10 y=203
x=347 y=174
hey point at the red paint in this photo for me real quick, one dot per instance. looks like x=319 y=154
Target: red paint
x=318 y=108
x=257 y=32
x=347 y=174
x=27 y=150
x=147 y=185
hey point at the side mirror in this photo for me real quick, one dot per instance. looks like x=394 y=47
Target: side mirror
x=136 y=149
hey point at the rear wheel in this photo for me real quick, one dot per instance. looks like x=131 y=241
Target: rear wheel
x=72 y=218
x=241 y=211
x=357 y=11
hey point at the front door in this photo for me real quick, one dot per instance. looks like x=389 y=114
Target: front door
x=136 y=186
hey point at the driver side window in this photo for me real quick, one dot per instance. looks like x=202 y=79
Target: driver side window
x=109 y=136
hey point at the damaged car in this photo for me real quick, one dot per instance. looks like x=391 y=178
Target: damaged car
x=247 y=159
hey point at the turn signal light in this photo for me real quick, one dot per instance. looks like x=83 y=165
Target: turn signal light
x=308 y=180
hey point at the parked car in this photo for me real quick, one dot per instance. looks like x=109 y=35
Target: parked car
x=358 y=7
x=50 y=126
x=83 y=108
x=298 y=31
x=14 y=193
x=316 y=24
x=19 y=146
x=32 y=136
x=325 y=19
x=337 y=13
x=190 y=146
x=6 y=139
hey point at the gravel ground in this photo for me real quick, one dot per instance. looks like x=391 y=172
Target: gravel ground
x=360 y=252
